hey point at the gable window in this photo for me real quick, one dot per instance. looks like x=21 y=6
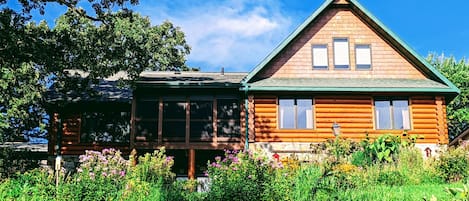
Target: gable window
x=363 y=57
x=320 y=60
x=341 y=53
x=392 y=114
x=296 y=113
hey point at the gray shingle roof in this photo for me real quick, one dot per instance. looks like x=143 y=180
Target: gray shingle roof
x=190 y=79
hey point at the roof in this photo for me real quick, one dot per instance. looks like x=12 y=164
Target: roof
x=355 y=84
x=424 y=66
x=161 y=79
x=105 y=90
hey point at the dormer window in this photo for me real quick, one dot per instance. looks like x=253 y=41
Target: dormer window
x=320 y=60
x=341 y=53
x=363 y=57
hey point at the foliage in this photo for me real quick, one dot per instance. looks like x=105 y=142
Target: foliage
x=154 y=167
x=37 y=184
x=340 y=148
x=453 y=164
x=459 y=193
x=458 y=73
x=15 y=161
x=100 y=44
x=239 y=176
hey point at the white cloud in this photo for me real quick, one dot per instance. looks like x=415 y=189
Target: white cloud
x=232 y=34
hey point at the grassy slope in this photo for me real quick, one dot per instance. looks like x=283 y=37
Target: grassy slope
x=408 y=192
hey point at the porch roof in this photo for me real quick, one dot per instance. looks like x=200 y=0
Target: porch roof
x=190 y=79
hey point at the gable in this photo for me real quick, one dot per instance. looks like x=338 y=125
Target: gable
x=295 y=61
x=391 y=58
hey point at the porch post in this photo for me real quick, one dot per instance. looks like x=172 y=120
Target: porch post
x=191 y=166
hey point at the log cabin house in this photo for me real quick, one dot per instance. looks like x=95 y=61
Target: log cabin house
x=342 y=66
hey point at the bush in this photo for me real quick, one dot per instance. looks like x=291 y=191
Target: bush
x=239 y=176
x=453 y=164
x=37 y=184
x=15 y=161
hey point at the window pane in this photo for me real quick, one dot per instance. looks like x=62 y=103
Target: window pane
x=146 y=131
x=304 y=113
x=287 y=113
x=201 y=110
x=228 y=109
x=363 y=56
x=401 y=114
x=341 y=53
x=174 y=131
x=174 y=110
x=320 y=57
x=201 y=130
x=105 y=127
x=383 y=114
x=147 y=110
x=228 y=128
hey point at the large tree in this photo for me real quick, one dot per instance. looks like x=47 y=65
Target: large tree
x=458 y=109
x=108 y=39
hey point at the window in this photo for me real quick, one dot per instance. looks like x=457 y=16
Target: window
x=392 y=114
x=174 y=119
x=341 y=53
x=108 y=126
x=363 y=57
x=228 y=119
x=296 y=113
x=320 y=57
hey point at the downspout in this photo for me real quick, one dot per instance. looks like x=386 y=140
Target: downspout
x=246 y=115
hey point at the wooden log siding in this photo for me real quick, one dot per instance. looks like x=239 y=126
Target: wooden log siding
x=355 y=115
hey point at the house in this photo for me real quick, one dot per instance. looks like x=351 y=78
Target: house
x=342 y=67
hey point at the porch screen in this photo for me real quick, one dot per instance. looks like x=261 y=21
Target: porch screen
x=146 y=120
x=228 y=118
x=201 y=120
x=108 y=126
x=174 y=120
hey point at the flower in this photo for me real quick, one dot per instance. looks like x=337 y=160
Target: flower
x=122 y=173
x=218 y=158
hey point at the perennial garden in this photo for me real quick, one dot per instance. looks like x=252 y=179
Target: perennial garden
x=386 y=168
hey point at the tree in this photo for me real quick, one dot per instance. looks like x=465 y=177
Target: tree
x=109 y=40
x=458 y=109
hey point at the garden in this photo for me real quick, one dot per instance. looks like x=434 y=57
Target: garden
x=386 y=168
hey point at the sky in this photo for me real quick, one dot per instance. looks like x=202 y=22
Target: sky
x=238 y=34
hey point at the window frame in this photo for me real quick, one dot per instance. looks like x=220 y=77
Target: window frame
x=391 y=112
x=363 y=67
x=313 y=58
x=295 y=106
x=338 y=67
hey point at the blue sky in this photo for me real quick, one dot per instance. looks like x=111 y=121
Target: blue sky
x=238 y=34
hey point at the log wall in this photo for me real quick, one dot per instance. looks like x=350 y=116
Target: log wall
x=355 y=115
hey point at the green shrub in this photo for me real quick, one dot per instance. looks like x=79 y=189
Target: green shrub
x=391 y=178
x=239 y=176
x=453 y=164
x=305 y=180
x=154 y=168
x=14 y=161
x=37 y=184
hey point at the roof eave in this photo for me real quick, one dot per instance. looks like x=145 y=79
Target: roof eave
x=349 y=89
x=394 y=36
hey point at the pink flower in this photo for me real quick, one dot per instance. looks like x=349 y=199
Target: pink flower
x=122 y=173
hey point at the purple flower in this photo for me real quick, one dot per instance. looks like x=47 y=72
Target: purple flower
x=218 y=158
x=104 y=174
x=206 y=173
x=122 y=173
